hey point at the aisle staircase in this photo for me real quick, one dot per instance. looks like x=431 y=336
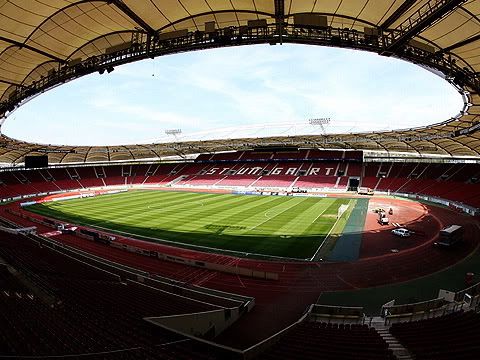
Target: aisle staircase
x=177 y=180
x=400 y=352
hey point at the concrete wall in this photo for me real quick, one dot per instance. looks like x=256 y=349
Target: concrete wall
x=200 y=324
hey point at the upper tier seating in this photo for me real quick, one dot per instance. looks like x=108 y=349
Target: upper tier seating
x=457 y=182
x=313 y=181
x=276 y=181
x=449 y=181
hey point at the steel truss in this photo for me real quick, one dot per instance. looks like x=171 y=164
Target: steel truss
x=145 y=45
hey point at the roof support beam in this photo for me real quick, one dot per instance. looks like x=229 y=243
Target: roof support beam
x=86 y=154
x=10 y=83
x=152 y=149
x=31 y=48
x=418 y=22
x=126 y=149
x=462 y=43
x=402 y=9
x=466 y=146
x=133 y=16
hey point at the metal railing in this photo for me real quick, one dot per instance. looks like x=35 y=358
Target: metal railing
x=143 y=46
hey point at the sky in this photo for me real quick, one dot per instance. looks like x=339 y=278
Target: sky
x=252 y=91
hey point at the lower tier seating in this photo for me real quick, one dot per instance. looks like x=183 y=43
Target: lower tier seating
x=57 y=306
x=457 y=182
x=315 y=340
x=455 y=336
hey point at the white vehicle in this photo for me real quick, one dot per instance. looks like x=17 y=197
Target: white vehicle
x=383 y=220
x=401 y=232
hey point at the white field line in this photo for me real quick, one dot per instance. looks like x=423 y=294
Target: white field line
x=138 y=215
x=326 y=237
x=152 y=209
x=268 y=219
x=121 y=204
x=246 y=206
x=320 y=214
x=156 y=207
x=214 y=216
x=276 y=232
x=187 y=245
x=135 y=214
x=269 y=211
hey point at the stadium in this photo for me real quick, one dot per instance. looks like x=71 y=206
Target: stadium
x=348 y=245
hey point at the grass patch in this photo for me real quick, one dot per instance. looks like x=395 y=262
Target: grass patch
x=335 y=232
x=267 y=225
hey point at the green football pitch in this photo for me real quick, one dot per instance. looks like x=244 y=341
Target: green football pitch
x=292 y=227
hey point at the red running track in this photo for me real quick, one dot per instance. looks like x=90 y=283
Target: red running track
x=378 y=239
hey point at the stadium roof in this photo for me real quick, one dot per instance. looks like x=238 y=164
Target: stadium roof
x=45 y=43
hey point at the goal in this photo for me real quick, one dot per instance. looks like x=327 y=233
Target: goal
x=341 y=210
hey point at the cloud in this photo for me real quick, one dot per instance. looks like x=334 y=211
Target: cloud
x=238 y=88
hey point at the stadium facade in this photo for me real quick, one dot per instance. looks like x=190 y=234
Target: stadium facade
x=81 y=291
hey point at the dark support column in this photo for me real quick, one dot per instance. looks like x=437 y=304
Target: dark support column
x=280 y=16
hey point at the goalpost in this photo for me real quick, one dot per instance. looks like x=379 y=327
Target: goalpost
x=341 y=210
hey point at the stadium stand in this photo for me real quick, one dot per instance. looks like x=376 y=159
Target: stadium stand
x=313 y=181
x=136 y=301
x=53 y=306
x=320 y=340
x=454 y=182
x=281 y=181
x=453 y=336
x=40 y=286
x=238 y=180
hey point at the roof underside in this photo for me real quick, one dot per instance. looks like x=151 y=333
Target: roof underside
x=37 y=36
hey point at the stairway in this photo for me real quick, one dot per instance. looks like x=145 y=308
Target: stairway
x=251 y=185
x=400 y=352
x=177 y=180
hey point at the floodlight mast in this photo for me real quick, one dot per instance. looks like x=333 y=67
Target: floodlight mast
x=174 y=133
x=320 y=122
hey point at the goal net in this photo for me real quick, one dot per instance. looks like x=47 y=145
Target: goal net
x=341 y=210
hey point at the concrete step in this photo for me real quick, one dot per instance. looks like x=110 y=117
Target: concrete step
x=400 y=352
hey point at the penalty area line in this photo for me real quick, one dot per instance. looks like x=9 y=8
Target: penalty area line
x=328 y=235
x=268 y=219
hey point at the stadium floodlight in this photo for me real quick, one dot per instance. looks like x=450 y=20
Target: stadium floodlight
x=320 y=122
x=173 y=132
